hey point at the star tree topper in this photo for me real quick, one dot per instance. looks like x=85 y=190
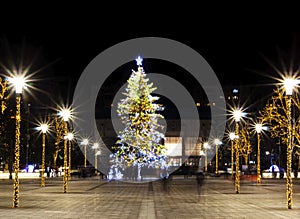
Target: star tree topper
x=139 y=61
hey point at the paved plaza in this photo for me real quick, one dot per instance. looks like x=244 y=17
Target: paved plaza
x=97 y=198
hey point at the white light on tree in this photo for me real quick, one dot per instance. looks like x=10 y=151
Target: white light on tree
x=141 y=140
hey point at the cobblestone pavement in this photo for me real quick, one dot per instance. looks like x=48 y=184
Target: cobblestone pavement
x=95 y=198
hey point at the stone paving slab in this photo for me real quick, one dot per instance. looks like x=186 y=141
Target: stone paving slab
x=95 y=198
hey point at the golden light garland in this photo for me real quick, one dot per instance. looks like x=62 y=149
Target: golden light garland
x=59 y=131
x=277 y=113
x=43 y=159
x=16 y=195
x=65 y=178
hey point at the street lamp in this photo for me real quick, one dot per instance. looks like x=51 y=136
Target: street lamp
x=258 y=128
x=85 y=143
x=43 y=128
x=95 y=147
x=65 y=114
x=232 y=136
x=217 y=142
x=206 y=147
x=237 y=115
x=18 y=83
x=70 y=137
x=289 y=85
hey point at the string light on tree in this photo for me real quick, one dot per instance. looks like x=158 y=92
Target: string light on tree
x=141 y=140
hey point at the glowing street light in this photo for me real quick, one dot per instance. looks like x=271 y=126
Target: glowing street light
x=18 y=82
x=70 y=137
x=237 y=115
x=217 y=142
x=65 y=114
x=289 y=85
x=85 y=143
x=43 y=128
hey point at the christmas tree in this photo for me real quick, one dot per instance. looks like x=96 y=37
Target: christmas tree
x=141 y=140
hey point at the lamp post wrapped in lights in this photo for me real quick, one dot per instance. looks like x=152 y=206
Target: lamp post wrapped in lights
x=289 y=85
x=70 y=137
x=206 y=147
x=43 y=128
x=279 y=111
x=217 y=142
x=258 y=128
x=85 y=143
x=237 y=115
x=65 y=114
x=19 y=83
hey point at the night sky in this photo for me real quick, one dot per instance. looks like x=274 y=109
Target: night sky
x=64 y=46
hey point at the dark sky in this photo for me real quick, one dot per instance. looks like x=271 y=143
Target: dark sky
x=234 y=56
x=66 y=44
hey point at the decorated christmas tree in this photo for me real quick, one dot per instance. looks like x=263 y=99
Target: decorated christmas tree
x=141 y=141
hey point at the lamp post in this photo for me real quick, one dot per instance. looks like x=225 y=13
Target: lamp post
x=289 y=85
x=65 y=114
x=95 y=147
x=19 y=83
x=258 y=128
x=85 y=143
x=237 y=114
x=43 y=128
x=70 y=137
x=217 y=142
x=97 y=153
x=232 y=137
x=206 y=146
